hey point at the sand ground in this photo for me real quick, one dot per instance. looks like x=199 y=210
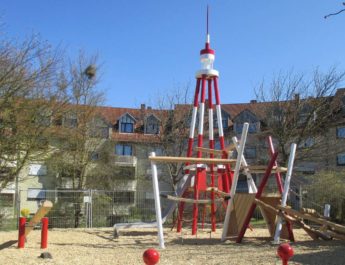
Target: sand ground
x=98 y=246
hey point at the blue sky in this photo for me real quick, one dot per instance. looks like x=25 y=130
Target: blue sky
x=150 y=47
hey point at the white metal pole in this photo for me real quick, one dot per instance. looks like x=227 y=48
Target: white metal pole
x=91 y=209
x=327 y=210
x=250 y=182
x=285 y=191
x=157 y=202
x=235 y=179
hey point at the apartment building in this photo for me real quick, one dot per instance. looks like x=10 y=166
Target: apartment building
x=129 y=135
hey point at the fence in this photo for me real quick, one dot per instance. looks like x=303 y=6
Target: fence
x=97 y=208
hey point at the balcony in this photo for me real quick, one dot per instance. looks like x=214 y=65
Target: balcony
x=125 y=161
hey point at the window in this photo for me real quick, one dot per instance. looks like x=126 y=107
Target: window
x=152 y=125
x=94 y=156
x=341 y=159
x=239 y=127
x=36 y=194
x=37 y=170
x=71 y=120
x=123 y=150
x=309 y=142
x=250 y=152
x=100 y=132
x=158 y=151
x=127 y=124
x=224 y=122
x=127 y=127
x=6 y=199
x=341 y=132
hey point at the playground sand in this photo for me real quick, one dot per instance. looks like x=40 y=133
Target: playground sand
x=97 y=246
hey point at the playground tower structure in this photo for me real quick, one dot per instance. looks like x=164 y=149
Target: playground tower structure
x=221 y=176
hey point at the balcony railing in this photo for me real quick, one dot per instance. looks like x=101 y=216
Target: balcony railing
x=125 y=160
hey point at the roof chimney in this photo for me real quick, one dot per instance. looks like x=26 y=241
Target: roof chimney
x=296 y=96
x=149 y=108
x=253 y=101
x=142 y=106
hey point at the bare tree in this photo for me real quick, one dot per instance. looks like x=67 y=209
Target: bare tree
x=176 y=109
x=298 y=108
x=80 y=132
x=29 y=97
x=335 y=13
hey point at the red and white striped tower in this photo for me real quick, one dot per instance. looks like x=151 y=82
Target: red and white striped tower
x=206 y=75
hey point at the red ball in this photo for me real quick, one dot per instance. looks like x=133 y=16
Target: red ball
x=151 y=256
x=285 y=251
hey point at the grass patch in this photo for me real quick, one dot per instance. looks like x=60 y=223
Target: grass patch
x=257 y=223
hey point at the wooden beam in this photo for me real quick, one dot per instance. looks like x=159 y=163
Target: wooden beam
x=219 y=192
x=230 y=147
x=200 y=201
x=209 y=151
x=334 y=226
x=41 y=212
x=262 y=169
x=176 y=159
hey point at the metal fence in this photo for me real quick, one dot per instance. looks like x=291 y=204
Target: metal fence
x=98 y=208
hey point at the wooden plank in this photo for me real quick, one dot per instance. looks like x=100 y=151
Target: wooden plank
x=41 y=212
x=241 y=205
x=230 y=147
x=335 y=235
x=176 y=159
x=200 y=201
x=219 y=192
x=271 y=217
x=334 y=226
x=256 y=169
x=209 y=151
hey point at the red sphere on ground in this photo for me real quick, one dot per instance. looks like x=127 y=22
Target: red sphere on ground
x=285 y=251
x=151 y=256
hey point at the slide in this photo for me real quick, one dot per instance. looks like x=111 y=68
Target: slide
x=182 y=186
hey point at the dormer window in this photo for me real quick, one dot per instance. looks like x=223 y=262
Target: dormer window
x=246 y=116
x=152 y=125
x=71 y=120
x=225 y=118
x=126 y=123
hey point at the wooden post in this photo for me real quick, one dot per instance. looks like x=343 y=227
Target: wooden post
x=42 y=211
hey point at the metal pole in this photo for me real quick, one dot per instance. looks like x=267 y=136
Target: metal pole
x=21 y=232
x=157 y=202
x=285 y=191
x=236 y=175
x=44 y=232
x=91 y=209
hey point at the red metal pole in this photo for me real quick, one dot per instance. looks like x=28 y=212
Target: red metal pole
x=199 y=155
x=257 y=196
x=189 y=151
x=226 y=176
x=280 y=186
x=44 y=232
x=21 y=232
x=211 y=145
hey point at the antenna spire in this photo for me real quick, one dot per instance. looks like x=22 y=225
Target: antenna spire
x=207 y=32
x=207 y=20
